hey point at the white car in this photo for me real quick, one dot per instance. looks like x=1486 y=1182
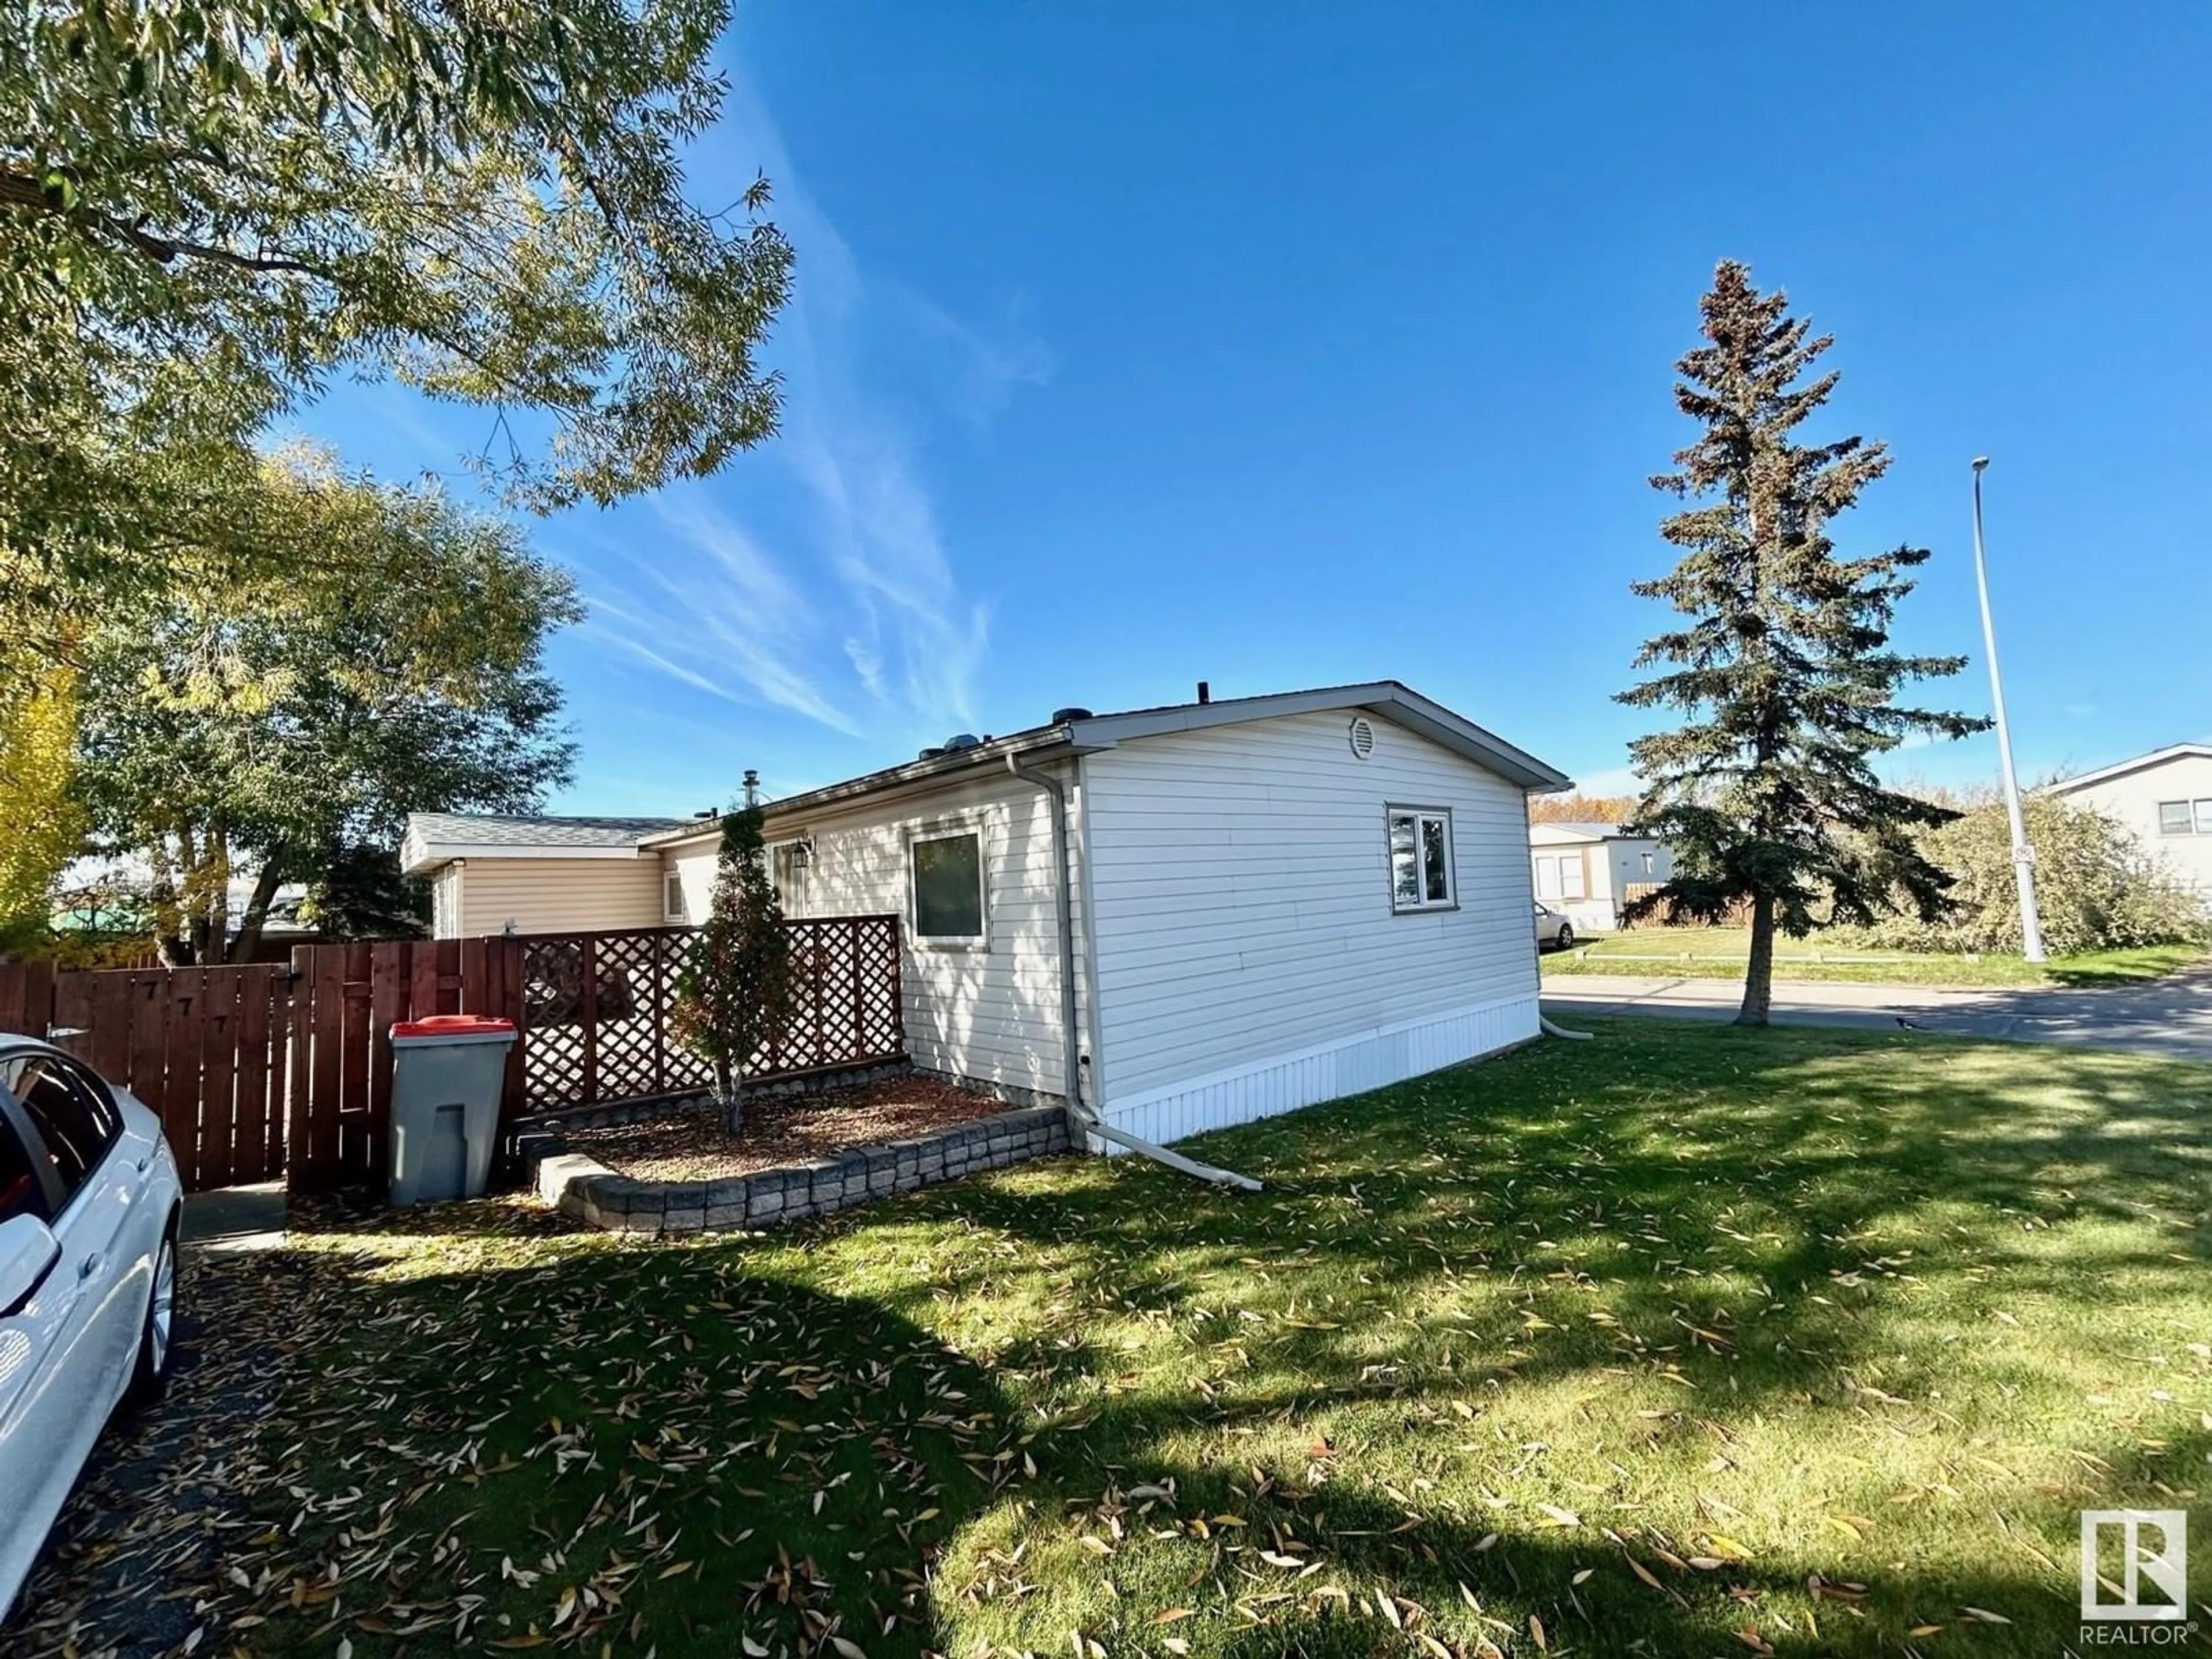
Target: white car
x=1553 y=929
x=89 y=1202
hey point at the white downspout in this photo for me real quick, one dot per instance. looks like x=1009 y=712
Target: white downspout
x=1072 y=1081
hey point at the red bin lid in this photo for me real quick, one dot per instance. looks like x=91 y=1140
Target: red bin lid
x=434 y=1025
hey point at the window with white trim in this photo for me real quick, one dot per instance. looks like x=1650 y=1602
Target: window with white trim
x=1570 y=876
x=672 y=907
x=1547 y=877
x=944 y=874
x=2181 y=817
x=1420 y=859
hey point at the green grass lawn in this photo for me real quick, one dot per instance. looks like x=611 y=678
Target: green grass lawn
x=1685 y=1342
x=1719 y=953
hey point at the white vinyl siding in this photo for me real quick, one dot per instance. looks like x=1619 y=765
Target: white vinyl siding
x=554 y=896
x=1241 y=891
x=990 y=1013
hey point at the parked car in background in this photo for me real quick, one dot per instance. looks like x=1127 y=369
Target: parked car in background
x=1553 y=929
x=89 y=1204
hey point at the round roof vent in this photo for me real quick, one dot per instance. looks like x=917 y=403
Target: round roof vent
x=1362 y=734
x=962 y=740
x=1061 y=716
x=930 y=754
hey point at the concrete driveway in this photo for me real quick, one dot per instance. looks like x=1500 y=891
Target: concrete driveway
x=2170 y=1017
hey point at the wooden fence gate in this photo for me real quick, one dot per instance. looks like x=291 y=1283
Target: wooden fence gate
x=204 y=1046
x=264 y=1071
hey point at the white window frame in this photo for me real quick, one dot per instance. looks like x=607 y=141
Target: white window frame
x=1421 y=815
x=675 y=910
x=2188 y=815
x=952 y=830
x=1575 y=862
x=2201 y=817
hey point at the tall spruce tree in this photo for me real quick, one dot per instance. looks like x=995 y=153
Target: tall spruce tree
x=1784 y=671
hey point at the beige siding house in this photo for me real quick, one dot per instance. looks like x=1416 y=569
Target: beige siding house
x=517 y=875
x=1585 y=871
x=2166 y=799
x=1186 y=917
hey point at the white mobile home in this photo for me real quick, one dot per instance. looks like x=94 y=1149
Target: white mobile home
x=2166 y=799
x=1189 y=916
x=1586 y=870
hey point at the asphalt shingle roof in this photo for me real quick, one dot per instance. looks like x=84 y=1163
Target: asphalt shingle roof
x=499 y=832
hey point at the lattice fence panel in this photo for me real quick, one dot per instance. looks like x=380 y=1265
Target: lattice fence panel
x=597 y=1006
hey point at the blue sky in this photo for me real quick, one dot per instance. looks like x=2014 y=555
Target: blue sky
x=1282 y=346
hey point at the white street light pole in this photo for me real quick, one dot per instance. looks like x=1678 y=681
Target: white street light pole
x=2023 y=855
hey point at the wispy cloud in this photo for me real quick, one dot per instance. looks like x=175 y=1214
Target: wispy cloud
x=706 y=606
x=814 y=578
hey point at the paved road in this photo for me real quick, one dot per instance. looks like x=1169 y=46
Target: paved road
x=2170 y=1017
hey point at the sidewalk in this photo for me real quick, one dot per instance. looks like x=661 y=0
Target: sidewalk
x=236 y=1218
x=2172 y=1017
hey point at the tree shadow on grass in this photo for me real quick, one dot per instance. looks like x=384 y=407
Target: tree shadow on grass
x=482 y=1416
x=1741 y=1214
x=666 y=1448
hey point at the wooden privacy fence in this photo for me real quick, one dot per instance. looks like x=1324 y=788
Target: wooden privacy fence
x=258 y=1071
x=1739 y=914
x=204 y=1046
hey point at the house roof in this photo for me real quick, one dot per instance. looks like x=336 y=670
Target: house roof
x=1559 y=832
x=1093 y=734
x=2140 y=763
x=437 y=838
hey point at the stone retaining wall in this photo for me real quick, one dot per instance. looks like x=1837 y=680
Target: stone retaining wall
x=580 y=1187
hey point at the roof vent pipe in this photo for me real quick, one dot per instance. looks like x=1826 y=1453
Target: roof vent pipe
x=1205 y=691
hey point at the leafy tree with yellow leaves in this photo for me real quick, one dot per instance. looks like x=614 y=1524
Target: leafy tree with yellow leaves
x=277 y=725
x=37 y=746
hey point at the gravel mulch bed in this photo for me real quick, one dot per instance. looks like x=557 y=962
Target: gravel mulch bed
x=689 y=1144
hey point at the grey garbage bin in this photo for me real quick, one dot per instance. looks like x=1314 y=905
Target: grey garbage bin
x=446 y=1073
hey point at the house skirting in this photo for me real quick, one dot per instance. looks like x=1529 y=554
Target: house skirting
x=1348 y=1065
